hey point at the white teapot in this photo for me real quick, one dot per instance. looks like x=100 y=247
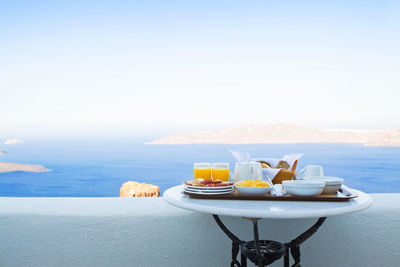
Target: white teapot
x=247 y=170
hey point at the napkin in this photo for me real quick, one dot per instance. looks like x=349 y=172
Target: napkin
x=271 y=173
x=277 y=190
x=241 y=156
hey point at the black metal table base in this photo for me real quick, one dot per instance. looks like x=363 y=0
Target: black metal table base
x=265 y=252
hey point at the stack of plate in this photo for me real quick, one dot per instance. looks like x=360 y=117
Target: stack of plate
x=204 y=190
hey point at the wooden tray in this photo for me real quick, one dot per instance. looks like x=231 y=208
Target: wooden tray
x=344 y=194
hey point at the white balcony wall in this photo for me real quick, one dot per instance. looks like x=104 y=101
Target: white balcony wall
x=149 y=232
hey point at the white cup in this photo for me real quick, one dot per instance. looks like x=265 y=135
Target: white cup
x=310 y=170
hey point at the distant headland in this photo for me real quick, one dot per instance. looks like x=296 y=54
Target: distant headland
x=282 y=134
x=13 y=167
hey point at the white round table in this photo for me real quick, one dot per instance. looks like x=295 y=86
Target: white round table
x=264 y=252
x=266 y=209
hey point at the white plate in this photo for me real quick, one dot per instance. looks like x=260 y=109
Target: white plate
x=209 y=188
x=208 y=193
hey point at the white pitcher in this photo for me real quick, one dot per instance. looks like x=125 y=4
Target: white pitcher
x=247 y=170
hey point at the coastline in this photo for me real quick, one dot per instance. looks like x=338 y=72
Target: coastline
x=153 y=143
x=13 y=167
x=282 y=134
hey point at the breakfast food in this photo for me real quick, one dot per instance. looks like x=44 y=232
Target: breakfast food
x=207 y=183
x=282 y=165
x=264 y=164
x=253 y=183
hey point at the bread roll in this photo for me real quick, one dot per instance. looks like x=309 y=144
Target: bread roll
x=282 y=165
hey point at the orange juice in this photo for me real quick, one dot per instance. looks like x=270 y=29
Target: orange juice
x=204 y=173
x=220 y=174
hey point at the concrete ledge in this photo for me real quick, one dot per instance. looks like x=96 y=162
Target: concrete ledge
x=149 y=232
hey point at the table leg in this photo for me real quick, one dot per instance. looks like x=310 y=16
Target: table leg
x=257 y=243
x=286 y=257
x=273 y=247
x=294 y=245
x=243 y=260
x=236 y=242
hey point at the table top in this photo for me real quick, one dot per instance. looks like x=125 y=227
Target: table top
x=266 y=209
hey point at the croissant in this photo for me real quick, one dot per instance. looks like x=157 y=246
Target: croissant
x=265 y=164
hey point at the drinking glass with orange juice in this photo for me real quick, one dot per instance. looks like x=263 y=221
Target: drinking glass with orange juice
x=202 y=170
x=220 y=171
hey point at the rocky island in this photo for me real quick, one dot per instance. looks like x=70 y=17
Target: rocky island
x=12 y=167
x=282 y=134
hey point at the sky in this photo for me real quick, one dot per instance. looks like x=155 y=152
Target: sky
x=127 y=68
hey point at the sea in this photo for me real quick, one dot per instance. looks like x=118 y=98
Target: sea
x=98 y=168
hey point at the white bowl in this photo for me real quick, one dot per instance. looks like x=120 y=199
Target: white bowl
x=302 y=183
x=303 y=187
x=332 y=184
x=252 y=190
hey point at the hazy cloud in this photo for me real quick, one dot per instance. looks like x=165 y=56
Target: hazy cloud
x=13 y=142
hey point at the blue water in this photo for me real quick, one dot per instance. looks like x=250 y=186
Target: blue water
x=98 y=169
